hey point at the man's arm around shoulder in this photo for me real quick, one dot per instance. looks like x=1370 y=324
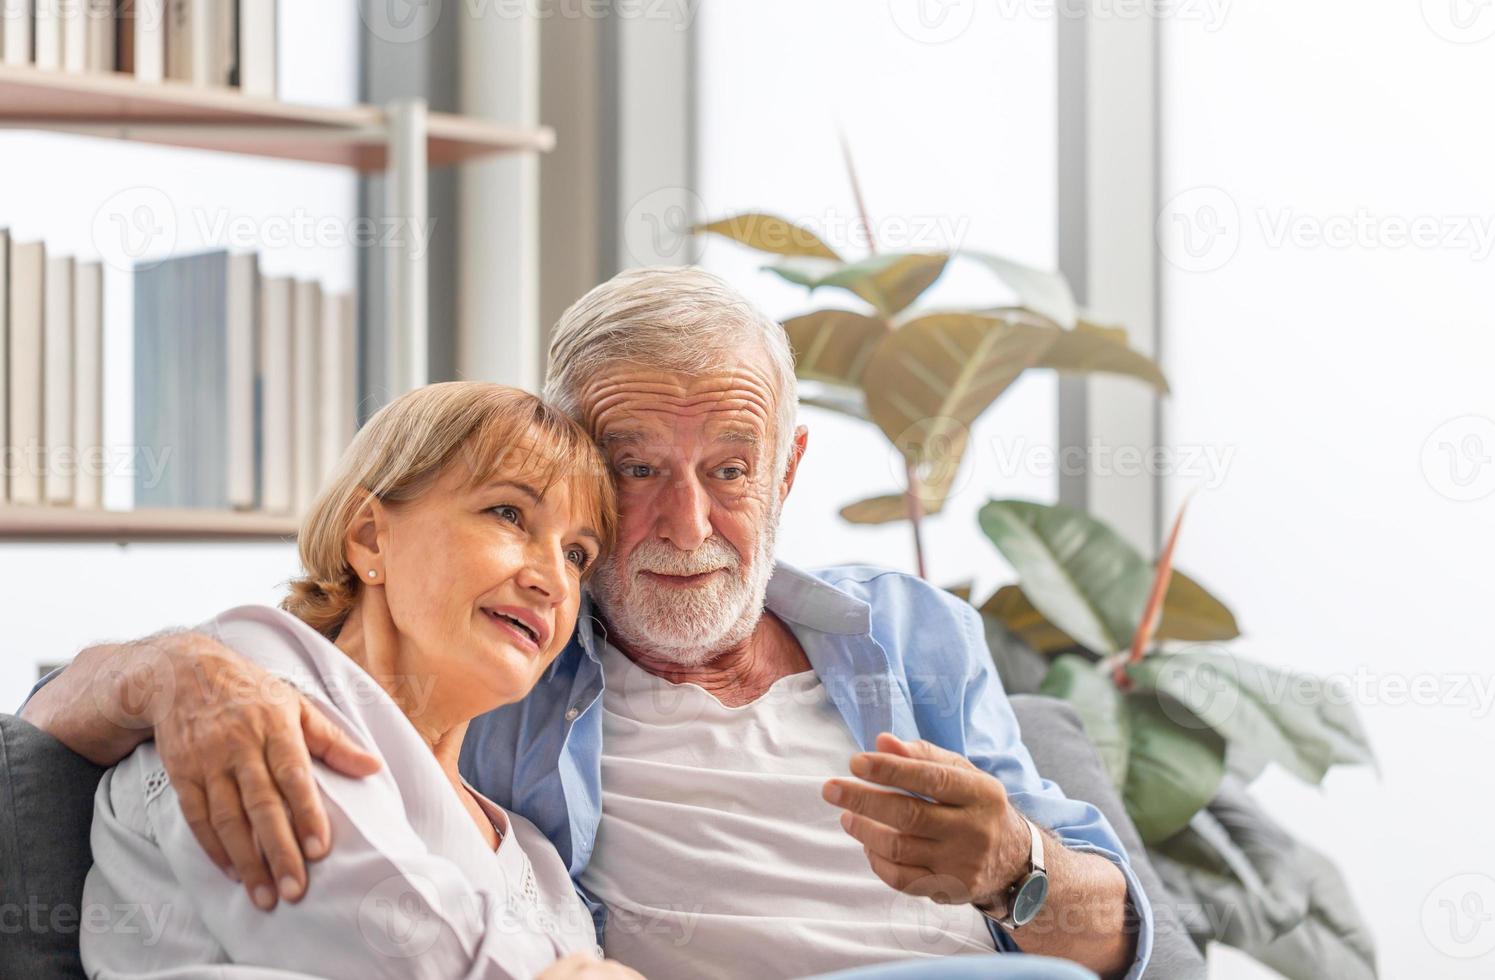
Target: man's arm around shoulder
x=236 y=742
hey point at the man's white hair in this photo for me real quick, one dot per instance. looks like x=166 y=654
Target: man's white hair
x=675 y=318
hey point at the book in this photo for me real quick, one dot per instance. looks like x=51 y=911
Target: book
x=124 y=37
x=57 y=381
x=223 y=59
x=339 y=363
x=242 y=298
x=306 y=325
x=74 y=34
x=47 y=39
x=257 y=47
x=100 y=42
x=5 y=456
x=277 y=435
x=24 y=363
x=15 y=46
x=142 y=39
x=181 y=382
x=88 y=383
x=199 y=37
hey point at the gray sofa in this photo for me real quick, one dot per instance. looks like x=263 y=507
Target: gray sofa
x=46 y=806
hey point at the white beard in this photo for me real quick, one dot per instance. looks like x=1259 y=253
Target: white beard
x=685 y=626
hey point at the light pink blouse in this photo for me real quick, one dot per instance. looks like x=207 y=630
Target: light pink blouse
x=409 y=890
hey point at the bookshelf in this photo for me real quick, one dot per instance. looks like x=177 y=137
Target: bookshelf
x=173 y=113
x=41 y=523
x=402 y=139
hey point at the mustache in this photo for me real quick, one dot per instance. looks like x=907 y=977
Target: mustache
x=656 y=556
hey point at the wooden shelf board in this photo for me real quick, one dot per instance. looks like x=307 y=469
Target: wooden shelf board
x=58 y=523
x=175 y=113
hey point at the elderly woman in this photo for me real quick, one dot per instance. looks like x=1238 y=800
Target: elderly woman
x=443 y=570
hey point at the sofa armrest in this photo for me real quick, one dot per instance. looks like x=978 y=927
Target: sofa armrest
x=46 y=812
x=1061 y=750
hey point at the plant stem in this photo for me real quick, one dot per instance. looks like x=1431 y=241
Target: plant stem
x=910 y=495
x=915 y=514
x=1152 y=612
x=856 y=193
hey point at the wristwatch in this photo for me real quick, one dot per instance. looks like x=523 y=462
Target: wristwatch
x=1025 y=898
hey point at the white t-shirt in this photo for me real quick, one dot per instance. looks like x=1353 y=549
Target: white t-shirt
x=716 y=854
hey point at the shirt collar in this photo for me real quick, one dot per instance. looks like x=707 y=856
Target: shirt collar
x=797 y=596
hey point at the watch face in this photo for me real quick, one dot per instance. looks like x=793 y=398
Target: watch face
x=1029 y=898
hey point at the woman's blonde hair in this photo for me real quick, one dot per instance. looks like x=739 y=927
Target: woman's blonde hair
x=405 y=448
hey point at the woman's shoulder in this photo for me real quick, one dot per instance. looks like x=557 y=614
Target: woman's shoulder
x=265 y=633
x=290 y=649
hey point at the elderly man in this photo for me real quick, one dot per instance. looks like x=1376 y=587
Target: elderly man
x=752 y=770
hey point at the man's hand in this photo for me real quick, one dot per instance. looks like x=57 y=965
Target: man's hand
x=963 y=843
x=236 y=741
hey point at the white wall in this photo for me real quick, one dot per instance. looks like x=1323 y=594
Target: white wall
x=1337 y=372
x=951 y=122
x=58 y=597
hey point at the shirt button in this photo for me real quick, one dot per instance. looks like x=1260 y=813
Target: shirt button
x=571 y=713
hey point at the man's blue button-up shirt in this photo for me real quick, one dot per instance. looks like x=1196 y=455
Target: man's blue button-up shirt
x=895 y=655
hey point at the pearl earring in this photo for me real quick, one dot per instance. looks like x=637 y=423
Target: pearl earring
x=372 y=573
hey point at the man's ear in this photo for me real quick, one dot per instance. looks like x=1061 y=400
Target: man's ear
x=796 y=453
x=363 y=542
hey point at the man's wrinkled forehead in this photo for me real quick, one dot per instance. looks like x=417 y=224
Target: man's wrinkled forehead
x=631 y=399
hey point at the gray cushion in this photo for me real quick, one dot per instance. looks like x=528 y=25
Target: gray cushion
x=46 y=809
x=1056 y=738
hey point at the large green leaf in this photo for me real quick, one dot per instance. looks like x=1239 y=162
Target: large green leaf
x=930 y=379
x=1045 y=293
x=1014 y=610
x=1240 y=879
x=885 y=509
x=1302 y=722
x=1166 y=770
x=1099 y=705
x=835 y=398
x=770 y=233
x=1190 y=613
x=833 y=346
x=1173 y=768
x=1078 y=572
x=1092 y=349
x=889 y=282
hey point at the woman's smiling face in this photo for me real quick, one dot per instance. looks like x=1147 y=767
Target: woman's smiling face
x=483 y=582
